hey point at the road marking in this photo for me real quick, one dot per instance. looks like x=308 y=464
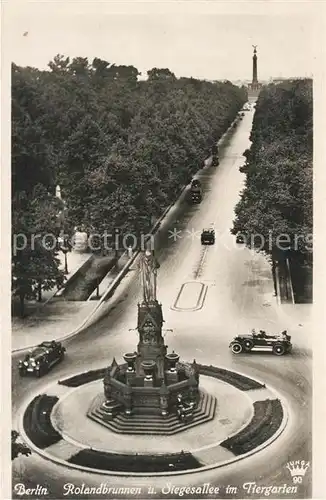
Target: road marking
x=191 y=296
x=200 y=266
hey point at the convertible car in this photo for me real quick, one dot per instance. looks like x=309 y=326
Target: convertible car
x=278 y=344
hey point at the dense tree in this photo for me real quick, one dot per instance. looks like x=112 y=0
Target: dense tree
x=18 y=448
x=120 y=149
x=34 y=245
x=160 y=73
x=79 y=67
x=277 y=198
x=59 y=64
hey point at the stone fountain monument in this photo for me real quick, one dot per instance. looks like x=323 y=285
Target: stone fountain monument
x=152 y=390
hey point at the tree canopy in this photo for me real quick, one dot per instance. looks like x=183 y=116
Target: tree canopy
x=277 y=198
x=18 y=448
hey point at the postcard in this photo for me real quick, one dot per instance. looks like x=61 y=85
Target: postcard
x=164 y=233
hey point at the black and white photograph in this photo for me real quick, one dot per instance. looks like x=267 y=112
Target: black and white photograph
x=161 y=213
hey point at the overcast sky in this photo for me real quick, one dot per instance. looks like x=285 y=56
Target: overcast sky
x=211 y=40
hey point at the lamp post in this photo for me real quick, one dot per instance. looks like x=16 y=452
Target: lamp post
x=66 y=261
x=117 y=241
x=63 y=242
x=65 y=247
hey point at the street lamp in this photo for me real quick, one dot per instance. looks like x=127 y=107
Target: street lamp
x=98 y=270
x=65 y=247
x=117 y=241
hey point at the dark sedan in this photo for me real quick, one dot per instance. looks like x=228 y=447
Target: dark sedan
x=208 y=237
x=41 y=359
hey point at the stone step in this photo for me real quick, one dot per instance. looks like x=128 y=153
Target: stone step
x=152 y=424
x=156 y=419
x=178 y=427
x=155 y=424
x=203 y=401
x=153 y=431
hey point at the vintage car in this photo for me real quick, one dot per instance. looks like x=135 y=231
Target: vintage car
x=194 y=195
x=215 y=161
x=278 y=344
x=195 y=183
x=215 y=150
x=215 y=155
x=207 y=236
x=41 y=359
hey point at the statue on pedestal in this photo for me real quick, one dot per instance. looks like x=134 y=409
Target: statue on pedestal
x=150 y=380
x=149 y=266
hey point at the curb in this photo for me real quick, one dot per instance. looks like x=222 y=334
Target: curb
x=106 y=295
x=216 y=465
x=80 y=445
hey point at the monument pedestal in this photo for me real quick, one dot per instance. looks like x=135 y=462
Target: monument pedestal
x=151 y=382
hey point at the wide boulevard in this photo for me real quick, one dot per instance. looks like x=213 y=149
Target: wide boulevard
x=237 y=295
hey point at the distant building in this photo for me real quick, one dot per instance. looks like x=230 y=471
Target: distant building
x=282 y=79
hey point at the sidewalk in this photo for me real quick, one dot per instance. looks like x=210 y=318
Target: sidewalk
x=297 y=315
x=53 y=321
x=58 y=318
x=298 y=320
x=74 y=261
x=50 y=318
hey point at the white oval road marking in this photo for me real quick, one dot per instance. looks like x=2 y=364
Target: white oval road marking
x=191 y=296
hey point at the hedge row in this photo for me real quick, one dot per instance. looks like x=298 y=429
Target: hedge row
x=278 y=194
x=267 y=418
x=83 y=378
x=37 y=422
x=135 y=462
x=238 y=381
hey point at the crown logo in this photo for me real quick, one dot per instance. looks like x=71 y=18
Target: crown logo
x=298 y=470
